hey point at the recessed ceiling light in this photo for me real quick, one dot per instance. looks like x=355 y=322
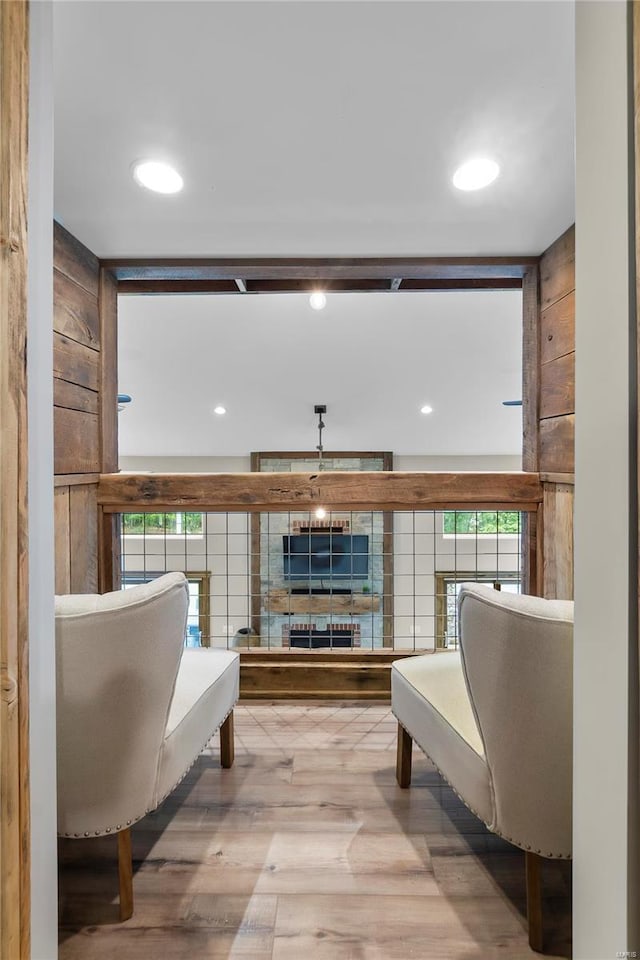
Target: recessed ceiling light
x=321 y=513
x=476 y=174
x=157 y=176
x=220 y=410
x=317 y=301
x=426 y=409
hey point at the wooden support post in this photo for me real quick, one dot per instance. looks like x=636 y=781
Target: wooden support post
x=15 y=881
x=125 y=873
x=226 y=742
x=403 y=761
x=108 y=371
x=108 y=551
x=534 y=901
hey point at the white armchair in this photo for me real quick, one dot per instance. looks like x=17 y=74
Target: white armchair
x=134 y=709
x=496 y=719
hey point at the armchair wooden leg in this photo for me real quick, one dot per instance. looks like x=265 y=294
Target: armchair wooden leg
x=403 y=760
x=534 y=901
x=226 y=742
x=125 y=872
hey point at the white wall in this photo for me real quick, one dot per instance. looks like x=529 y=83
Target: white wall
x=492 y=463
x=42 y=669
x=185 y=464
x=603 y=593
x=243 y=464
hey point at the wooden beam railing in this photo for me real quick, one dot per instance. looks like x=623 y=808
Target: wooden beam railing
x=277 y=492
x=351 y=674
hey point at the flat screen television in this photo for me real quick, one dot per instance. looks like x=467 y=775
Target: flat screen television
x=326 y=556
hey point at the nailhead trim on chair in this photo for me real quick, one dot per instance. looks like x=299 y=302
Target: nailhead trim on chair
x=516 y=843
x=118 y=828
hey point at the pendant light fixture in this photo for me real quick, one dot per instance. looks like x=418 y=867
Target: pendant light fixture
x=319 y=410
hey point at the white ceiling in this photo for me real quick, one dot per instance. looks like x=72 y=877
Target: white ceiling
x=317 y=129
x=314 y=128
x=374 y=359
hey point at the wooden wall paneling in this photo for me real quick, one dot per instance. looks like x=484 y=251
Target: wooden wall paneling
x=557 y=269
x=83 y=512
x=74 y=260
x=76 y=441
x=75 y=362
x=558 y=541
x=557 y=415
x=62 y=527
x=75 y=311
x=108 y=303
x=557 y=387
x=85 y=409
x=556 y=444
x=530 y=411
x=557 y=328
x=530 y=368
x=73 y=397
x=14 y=691
x=76 y=359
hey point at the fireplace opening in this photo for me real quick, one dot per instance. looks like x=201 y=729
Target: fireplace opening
x=308 y=636
x=317 y=640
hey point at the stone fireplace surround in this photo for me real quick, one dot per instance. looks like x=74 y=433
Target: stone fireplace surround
x=355 y=622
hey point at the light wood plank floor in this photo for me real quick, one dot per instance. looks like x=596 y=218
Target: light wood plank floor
x=308 y=850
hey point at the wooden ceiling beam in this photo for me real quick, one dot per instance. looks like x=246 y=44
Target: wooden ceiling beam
x=362 y=285
x=315 y=268
x=284 y=285
x=159 y=287
x=463 y=283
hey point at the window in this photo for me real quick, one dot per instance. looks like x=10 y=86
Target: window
x=198 y=630
x=447 y=590
x=162 y=524
x=481 y=521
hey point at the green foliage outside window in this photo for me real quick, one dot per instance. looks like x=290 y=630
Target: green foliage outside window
x=485 y=521
x=155 y=524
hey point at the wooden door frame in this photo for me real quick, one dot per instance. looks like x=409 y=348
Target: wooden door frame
x=15 y=893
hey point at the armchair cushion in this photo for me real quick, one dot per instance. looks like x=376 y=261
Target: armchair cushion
x=207 y=686
x=430 y=700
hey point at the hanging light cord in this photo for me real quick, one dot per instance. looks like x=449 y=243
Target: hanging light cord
x=320 y=448
x=320 y=408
